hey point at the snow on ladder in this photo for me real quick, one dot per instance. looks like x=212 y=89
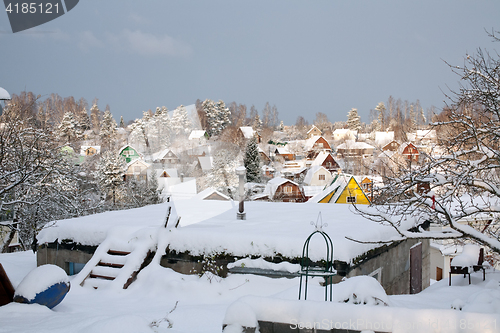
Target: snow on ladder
x=116 y=263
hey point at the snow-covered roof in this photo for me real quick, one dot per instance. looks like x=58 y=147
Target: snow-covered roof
x=208 y=192
x=197 y=134
x=309 y=143
x=172 y=172
x=4 y=95
x=124 y=147
x=427 y=134
x=320 y=158
x=283 y=151
x=274 y=183
x=312 y=171
x=84 y=148
x=312 y=128
x=205 y=163
x=138 y=161
x=161 y=154
x=310 y=191
x=351 y=144
x=272 y=227
x=247 y=131
x=383 y=138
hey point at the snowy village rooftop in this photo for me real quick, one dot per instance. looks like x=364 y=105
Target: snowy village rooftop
x=210 y=227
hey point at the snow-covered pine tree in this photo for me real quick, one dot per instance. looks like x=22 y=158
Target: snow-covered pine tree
x=108 y=130
x=109 y=174
x=68 y=128
x=380 y=108
x=210 y=116
x=95 y=117
x=353 y=120
x=223 y=176
x=252 y=162
x=122 y=122
x=223 y=115
x=180 y=121
x=257 y=124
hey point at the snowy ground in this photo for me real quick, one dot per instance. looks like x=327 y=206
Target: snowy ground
x=202 y=303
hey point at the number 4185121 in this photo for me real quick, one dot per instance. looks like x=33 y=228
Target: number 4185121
x=32 y=8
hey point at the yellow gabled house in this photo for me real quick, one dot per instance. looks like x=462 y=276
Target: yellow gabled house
x=343 y=189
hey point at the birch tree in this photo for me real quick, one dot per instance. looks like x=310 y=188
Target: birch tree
x=463 y=182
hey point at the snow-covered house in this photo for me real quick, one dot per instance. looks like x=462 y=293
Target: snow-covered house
x=247 y=132
x=326 y=160
x=129 y=153
x=343 y=189
x=205 y=163
x=318 y=176
x=426 y=137
x=284 y=190
x=199 y=137
x=383 y=138
x=341 y=134
x=314 y=131
x=90 y=150
x=391 y=146
x=166 y=157
x=316 y=144
x=136 y=169
x=286 y=154
x=409 y=152
x=264 y=159
x=352 y=148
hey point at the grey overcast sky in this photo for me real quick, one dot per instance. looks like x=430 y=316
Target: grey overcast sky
x=302 y=56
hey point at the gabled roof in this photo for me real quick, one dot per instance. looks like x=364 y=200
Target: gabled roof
x=341 y=185
x=124 y=147
x=84 y=148
x=129 y=164
x=312 y=140
x=312 y=128
x=205 y=163
x=283 y=151
x=320 y=158
x=273 y=185
x=197 y=134
x=312 y=171
x=160 y=155
x=247 y=131
x=211 y=194
x=351 y=144
x=383 y=138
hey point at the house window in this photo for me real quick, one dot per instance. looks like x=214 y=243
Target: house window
x=321 y=177
x=377 y=274
x=351 y=199
x=288 y=189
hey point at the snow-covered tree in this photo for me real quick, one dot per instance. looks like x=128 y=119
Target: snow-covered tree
x=122 y=122
x=223 y=175
x=257 y=124
x=380 y=108
x=252 y=162
x=353 y=120
x=37 y=183
x=95 y=116
x=68 y=128
x=460 y=184
x=108 y=130
x=223 y=116
x=109 y=174
x=180 y=121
